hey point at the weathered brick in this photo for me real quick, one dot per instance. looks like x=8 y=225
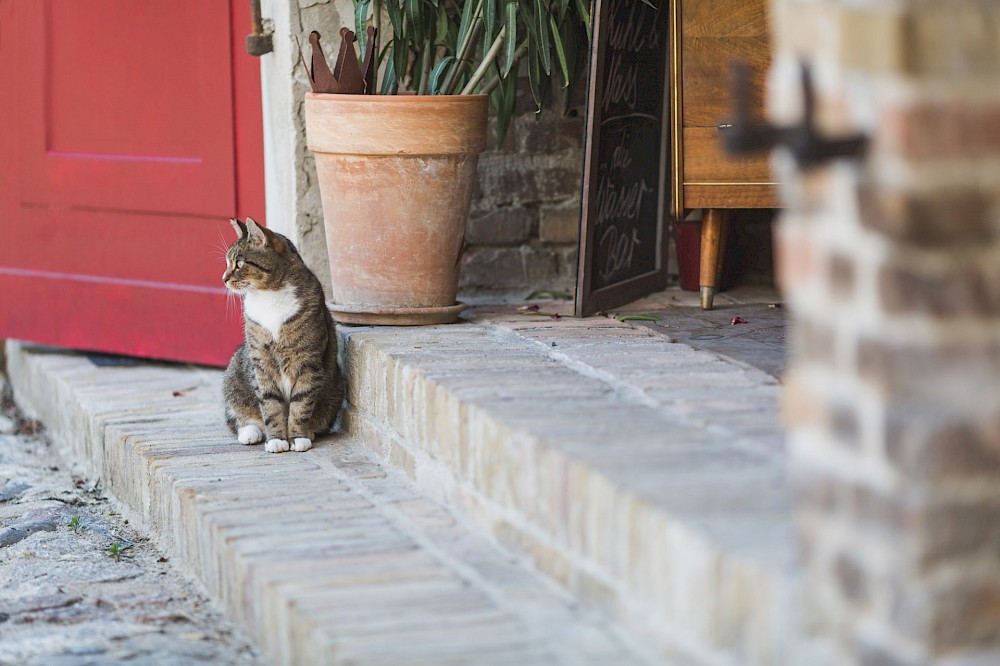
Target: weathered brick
x=960 y=288
x=954 y=217
x=852 y=578
x=903 y=372
x=932 y=447
x=874 y=654
x=965 y=615
x=550 y=133
x=798 y=256
x=559 y=224
x=957 y=39
x=957 y=530
x=842 y=276
x=872 y=38
x=869 y=508
x=935 y=130
x=507 y=268
x=506 y=182
x=813 y=341
x=845 y=425
x=501 y=226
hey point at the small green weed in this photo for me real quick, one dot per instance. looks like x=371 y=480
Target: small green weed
x=117 y=550
x=74 y=523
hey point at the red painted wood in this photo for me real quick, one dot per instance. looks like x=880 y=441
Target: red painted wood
x=130 y=137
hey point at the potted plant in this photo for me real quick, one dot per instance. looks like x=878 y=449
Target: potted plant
x=397 y=166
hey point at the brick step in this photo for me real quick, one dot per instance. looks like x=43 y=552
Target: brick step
x=646 y=477
x=325 y=557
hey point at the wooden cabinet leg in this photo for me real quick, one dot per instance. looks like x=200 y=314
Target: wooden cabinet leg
x=714 y=228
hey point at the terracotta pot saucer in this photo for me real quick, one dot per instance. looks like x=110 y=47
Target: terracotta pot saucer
x=394 y=316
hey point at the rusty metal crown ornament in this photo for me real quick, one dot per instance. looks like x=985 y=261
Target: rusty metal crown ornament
x=347 y=77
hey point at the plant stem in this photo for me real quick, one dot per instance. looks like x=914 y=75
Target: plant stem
x=377 y=24
x=425 y=68
x=448 y=87
x=488 y=60
x=490 y=85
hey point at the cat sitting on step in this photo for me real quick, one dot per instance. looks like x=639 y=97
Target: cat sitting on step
x=283 y=385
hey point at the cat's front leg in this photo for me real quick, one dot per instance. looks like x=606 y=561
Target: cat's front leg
x=302 y=403
x=272 y=408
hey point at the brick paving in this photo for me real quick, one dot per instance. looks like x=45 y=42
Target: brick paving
x=325 y=557
x=645 y=476
x=517 y=488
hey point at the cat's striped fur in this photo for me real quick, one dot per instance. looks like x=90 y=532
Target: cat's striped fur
x=283 y=385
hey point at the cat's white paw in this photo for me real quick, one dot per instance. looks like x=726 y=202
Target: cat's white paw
x=276 y=446
x=250 y=434
x=302 y=444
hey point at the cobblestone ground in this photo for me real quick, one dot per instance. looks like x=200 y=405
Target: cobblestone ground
x=78 y=585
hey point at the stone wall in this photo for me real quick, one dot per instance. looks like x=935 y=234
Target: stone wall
x=892 y=269
x=523 y=227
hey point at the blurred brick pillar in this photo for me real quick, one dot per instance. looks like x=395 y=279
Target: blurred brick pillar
x=892 y=268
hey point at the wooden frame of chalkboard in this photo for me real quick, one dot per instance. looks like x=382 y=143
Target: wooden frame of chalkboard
x=625 y=199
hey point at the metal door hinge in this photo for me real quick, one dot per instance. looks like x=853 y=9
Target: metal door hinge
x=258 y=41
x=806 y=144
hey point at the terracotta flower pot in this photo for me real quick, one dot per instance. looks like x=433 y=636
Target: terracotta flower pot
x=396 y=176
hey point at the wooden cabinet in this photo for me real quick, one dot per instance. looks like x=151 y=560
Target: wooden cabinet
x=707 y=36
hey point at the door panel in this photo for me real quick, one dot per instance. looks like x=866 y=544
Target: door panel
x=125 y=114
x=121 y=124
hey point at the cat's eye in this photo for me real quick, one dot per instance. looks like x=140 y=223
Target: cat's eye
x=239 y=264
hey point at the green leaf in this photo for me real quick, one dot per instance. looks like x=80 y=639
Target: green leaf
x=560 y=50
x=443 y=25
x=536 y=79
x=505 y=111
x=636 y=317
x=469 y=9
x=577 y=57
x=395 y=18
x=389 y=82
x=583 y=9
x=489 y=23
x=527 y=12
x=542 y=32
x=436 y=74
x=510 y=39
x=545 y=294
x=416 y=19
x=361 y=22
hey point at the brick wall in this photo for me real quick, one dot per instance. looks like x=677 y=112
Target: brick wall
x=524 y=225
x=892 y=269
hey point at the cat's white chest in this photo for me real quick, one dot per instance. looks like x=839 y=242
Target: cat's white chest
x=271 y=309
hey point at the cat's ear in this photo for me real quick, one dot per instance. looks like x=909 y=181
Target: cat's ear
x=241 y=230
x=261 y=236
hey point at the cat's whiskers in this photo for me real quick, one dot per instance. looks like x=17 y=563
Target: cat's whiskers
x=222 y=247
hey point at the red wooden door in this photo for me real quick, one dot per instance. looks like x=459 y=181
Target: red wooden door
x=129 y=134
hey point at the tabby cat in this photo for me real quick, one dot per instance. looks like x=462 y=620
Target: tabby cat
x=283 y=384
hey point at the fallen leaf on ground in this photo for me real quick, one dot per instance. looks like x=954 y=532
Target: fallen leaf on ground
x=636 y=317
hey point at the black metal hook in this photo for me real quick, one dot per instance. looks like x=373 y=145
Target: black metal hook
x=747 y=136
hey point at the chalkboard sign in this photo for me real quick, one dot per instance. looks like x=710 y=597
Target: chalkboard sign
x=623 y=230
